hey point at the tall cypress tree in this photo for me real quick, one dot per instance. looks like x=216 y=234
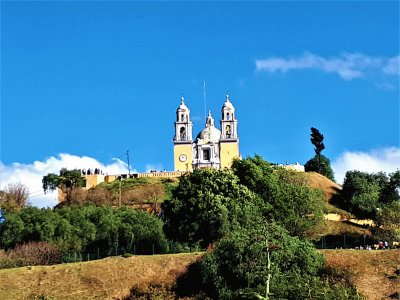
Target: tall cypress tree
x=319 y=163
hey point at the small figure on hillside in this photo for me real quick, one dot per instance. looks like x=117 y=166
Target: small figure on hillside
x=381 y=245
x=386 y=245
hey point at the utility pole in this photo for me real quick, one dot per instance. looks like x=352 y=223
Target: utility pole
x=120 y=191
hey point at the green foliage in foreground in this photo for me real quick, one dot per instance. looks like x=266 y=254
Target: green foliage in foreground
x=364 y=194
x=67 y=181
x=320 y=164
x=388 y=221
x=291 y=202
x=85 y=229
x=238 y=267
x=206 y=205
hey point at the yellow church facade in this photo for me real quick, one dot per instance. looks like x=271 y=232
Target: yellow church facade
x=212 y=147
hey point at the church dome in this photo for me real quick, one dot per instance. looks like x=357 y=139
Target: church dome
x=210 y=134
x=228 y=104
x=183 y=106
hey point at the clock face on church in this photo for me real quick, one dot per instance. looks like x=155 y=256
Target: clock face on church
x=182 y=157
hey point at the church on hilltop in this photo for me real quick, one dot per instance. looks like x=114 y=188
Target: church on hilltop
x=212 y=147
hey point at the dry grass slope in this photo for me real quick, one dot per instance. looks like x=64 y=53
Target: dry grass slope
x=327 y=186
x=110 y=278
x=373 y=273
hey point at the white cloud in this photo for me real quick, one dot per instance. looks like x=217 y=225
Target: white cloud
x=386 y=160
x=348 y=65
x=31 y=174
x=392 y=66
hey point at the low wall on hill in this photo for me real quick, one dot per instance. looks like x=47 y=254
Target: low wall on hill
x=338 y=218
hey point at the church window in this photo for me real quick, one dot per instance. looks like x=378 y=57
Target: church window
x=182 y=118
x=206 y=154
x=182 y=134
x=228 y=116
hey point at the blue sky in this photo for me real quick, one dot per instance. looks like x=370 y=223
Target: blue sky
x=90 y=80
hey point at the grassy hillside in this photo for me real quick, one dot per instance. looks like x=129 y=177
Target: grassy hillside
x=327 y=186
x=109 y=278
x=375 y=274
x=141 y=193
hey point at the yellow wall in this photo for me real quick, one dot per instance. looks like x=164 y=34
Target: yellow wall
x=93 y=180
x=299 y=168
x=228 y=151
x=183 y=149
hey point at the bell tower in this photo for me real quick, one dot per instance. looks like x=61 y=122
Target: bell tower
x=229 y=142
x=183 y=139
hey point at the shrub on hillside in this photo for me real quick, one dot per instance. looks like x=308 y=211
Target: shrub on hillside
x=30 y=254
x=246 y=261
x=88 y=228
x=287 y=197
x=206 y=205
x=37 y=253
x=364 y=194
x=320 y=164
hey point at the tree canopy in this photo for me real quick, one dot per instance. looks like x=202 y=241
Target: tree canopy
x=320 y=164
x=206 y=205
x=363 y=193
x=287 y=198
x=67 y=181
x=265 y=260
x=85 y=228
x=317 y=140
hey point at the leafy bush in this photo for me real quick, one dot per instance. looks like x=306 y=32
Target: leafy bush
x=86 y=228
x=320 y=164
x=264 y=261
x=287 y=198
x=206 y=205
x=30 y=254
x=363 y=194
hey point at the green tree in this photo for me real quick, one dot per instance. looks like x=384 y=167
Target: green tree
x=11 y=232
x=67 y=181
x=287 y=199
x=142 y=229
x=317 y=140
x=388 y=221
x=206 y=205
x=85 y=228
x=320 y=164
x=363 y=193
x=264 y=260
x=391 y=189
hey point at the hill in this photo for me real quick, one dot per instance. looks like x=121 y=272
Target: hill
x=327 y=186
x=109 y=278
x=376 y=274
x=148 y=193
